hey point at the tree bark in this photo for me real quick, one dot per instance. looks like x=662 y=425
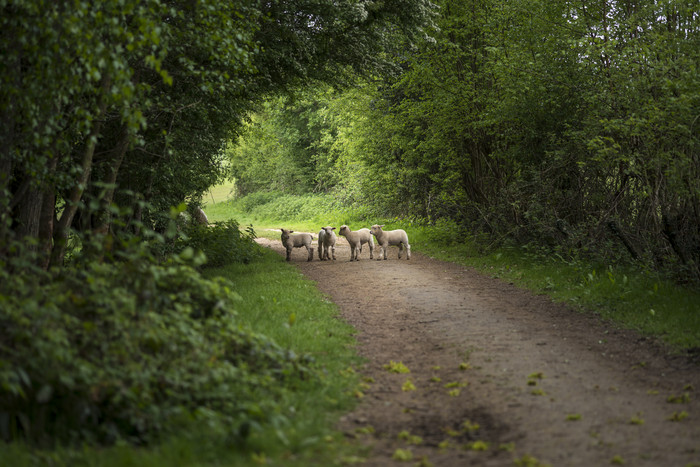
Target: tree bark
x=115 y=162
x=63 y=226
x=612 y=225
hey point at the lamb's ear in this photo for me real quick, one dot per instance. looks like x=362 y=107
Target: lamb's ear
x=332 y=228
x=291 y=231
x=382 y=226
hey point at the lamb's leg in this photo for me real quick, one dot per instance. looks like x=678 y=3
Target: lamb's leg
x=400 y=249
x=320 y=252
x=371 y=249
x=333 y=252
x=289 y=253
x=408 y=251
x=311 y=253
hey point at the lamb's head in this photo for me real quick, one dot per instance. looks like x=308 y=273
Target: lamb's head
x=328 y=229
x=376 y=229
x=285 y=233
x=344 y=229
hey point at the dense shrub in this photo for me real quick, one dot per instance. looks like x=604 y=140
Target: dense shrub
x=251 y=201
x=122 y=351
x=298 y=207
x=221 y=243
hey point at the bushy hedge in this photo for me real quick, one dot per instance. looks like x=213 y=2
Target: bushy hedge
x=251 y=201
x=274 y=206
x=123 y=351
x=221 y=243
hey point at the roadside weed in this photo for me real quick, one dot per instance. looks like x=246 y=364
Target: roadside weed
x=617 y=460
x=402 y=455
x=678 y=416
x=681 y=399
x=396 y=367
x=470 y=427
x=409 y=438
x=529 y=461
x=636 y=420
x=478 y=446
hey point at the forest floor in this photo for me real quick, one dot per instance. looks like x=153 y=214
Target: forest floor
x=545 y=384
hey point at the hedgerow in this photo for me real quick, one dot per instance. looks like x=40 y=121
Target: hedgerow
x=221 y=243
x=123 y=351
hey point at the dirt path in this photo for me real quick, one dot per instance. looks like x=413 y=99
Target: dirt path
x=541 y=381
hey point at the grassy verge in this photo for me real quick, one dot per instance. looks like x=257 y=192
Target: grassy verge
x=634 y=298
x=277 y=301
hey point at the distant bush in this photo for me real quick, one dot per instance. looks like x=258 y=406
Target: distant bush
x=250 y=202
x=122 y=351
x=298 y=207
x=222 y=243
x=446 y=232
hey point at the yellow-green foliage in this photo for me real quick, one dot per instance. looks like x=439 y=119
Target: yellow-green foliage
x=402 y=455
x=478 y=446
x=408 y=386
x=396 y=367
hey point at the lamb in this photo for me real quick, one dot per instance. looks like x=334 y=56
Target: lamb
x=391 y=237
x=200 y=216
x=297 y=241
x=326 y=241
x=356 y=239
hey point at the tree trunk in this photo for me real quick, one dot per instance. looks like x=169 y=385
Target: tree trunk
x=63 y=226
x=28 y=215
x=115 y=162
x=5 y=232
x=47 y=218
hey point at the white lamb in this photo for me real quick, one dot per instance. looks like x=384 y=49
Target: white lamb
x=297 y=241
x=391 y=237
x=326 y=241
x=356 y=239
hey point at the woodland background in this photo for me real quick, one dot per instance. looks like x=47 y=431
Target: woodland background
x=572 y=125
x=568 y=126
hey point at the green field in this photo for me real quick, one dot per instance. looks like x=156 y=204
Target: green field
x=219 y=193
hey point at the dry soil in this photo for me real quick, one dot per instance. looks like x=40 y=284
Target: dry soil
x=499 y=376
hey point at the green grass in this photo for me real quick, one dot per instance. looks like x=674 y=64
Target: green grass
x=219 y=193
x=274 y=210
x=278 y=301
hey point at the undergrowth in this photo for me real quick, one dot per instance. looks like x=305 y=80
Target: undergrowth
x=172 y=364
